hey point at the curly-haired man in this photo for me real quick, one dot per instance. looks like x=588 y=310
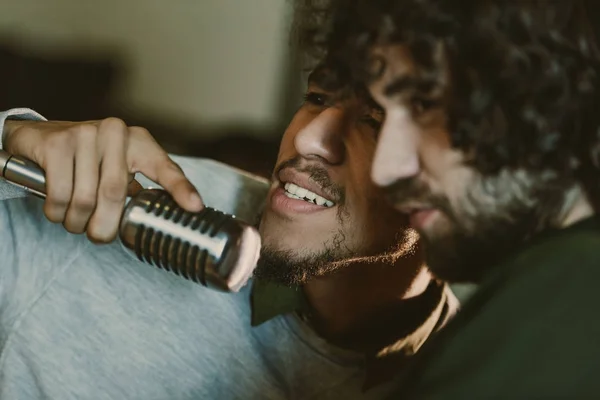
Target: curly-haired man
x=490 y=145
x=341 y=296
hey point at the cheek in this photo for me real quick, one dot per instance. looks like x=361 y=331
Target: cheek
x=437 y=155
x=459 y=187
x=370 y=209
x=355 y=173
x=374 y=221
x=443 y=166
x=387 y=226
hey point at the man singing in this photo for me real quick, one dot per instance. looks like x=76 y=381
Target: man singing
x=490 y=145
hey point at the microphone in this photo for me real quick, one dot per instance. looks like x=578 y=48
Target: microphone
x=209 y=247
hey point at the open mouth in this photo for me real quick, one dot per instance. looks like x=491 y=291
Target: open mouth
x=296 y=192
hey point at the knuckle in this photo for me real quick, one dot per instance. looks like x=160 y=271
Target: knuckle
x=113 y=122
x=58 y=195
x=113 y=125
x=84 y=201
x=114 y=190
x=140 y=132
x=59 y=141
x=86 y=131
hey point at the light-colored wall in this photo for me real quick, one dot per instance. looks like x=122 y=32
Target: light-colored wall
x=203 y=61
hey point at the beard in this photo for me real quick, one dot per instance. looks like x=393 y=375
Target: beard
x=495 y=217
x=288 y=268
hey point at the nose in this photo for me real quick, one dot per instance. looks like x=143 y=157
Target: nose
x=396 y=156
x=323 y=137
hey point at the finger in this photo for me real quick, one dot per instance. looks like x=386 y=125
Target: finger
x=112 y=189
x=170 y=176
x=58 y=162
x=147 y=157
x=83 y=199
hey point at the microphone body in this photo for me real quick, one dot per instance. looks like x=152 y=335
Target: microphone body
x=209 y=247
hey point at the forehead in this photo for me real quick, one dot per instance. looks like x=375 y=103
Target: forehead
x=395 y=71
x=390 y=64
x=391 y=61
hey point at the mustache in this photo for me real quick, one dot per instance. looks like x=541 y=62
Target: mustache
x=415 y=191
x=317 y=174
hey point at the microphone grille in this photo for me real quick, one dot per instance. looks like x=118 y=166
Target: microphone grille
x=209 y=247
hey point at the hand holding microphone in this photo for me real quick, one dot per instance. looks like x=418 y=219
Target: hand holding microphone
x=207 y=246
x=88 y=167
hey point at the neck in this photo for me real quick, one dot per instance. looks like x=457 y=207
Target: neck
x=345 y=305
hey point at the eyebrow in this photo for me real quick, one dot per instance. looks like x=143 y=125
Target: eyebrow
x=317 y=76
x=400 y=85
x=405 y=83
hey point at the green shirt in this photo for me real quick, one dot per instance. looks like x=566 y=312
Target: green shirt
x=531 y=331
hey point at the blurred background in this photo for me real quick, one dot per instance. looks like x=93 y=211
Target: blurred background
x=208 y=78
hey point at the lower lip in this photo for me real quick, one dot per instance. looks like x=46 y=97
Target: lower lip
x=280 y=202
x=419 y=220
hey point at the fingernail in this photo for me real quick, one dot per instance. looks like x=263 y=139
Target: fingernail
x=195 y=200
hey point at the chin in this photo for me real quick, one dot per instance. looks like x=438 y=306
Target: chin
x=295 y=244
x=303 y=238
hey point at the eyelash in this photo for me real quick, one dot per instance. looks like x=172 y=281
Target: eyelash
x=317 y=99
x=372 y=122
x=421 y=104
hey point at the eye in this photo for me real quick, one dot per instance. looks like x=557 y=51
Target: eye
x=422 y=104
x=314 y=98
x=373 y=122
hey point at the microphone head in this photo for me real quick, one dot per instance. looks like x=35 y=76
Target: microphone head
x=208 y=247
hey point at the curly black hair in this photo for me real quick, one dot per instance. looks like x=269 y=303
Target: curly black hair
x=524 y=73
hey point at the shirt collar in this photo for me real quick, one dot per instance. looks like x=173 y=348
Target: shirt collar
x=268 y=300
x=428 y=312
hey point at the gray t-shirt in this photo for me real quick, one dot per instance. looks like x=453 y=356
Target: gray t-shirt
x=84 y=321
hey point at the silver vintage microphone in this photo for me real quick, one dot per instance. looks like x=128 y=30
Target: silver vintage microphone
x=209 y=247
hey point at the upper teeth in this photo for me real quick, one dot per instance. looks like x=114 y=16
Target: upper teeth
x=296 y=192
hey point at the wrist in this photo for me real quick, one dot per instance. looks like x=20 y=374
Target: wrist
x=18 y=116
x=10 y=126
